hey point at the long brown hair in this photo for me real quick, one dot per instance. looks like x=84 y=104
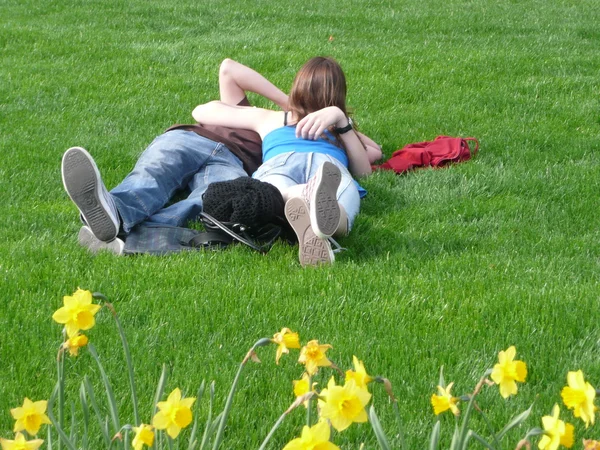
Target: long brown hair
x=319 y=83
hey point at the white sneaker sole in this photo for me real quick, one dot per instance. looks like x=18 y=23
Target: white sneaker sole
x=313 y=250
x=324 y=207
x=83 y=183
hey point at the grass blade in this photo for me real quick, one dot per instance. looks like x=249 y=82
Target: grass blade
x=110 y=396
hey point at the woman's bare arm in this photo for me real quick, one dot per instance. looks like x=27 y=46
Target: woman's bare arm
x=373 y=149
x=246 y=117
x=235 y=79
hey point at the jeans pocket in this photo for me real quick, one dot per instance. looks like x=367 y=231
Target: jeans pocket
x=273 y=164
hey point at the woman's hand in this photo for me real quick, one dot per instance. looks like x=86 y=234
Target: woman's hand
x=315 y=123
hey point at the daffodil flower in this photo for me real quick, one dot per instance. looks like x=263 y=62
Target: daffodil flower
x=285 y=340
x=143 y=436
x=313 y=356
x=344 y=405
x=314 y=438
x=444 y=401
x=174 y=414
x=20 y=443
x=579 y=396
x=507 y=372
x=556 y=432
x=589 y=444
x=301 y=387
x=30 y=416
x=359 y=374
x=77 y=313
x=73 y=344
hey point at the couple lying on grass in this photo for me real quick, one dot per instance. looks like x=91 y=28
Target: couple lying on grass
x=309 y=151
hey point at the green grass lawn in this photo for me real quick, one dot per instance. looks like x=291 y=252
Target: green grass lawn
x=444 y=267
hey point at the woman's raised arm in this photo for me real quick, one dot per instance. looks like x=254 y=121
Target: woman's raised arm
x=235 y=79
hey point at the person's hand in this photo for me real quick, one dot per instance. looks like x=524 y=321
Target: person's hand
x=314 y=124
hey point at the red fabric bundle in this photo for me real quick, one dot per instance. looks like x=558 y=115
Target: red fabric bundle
x=439 y=152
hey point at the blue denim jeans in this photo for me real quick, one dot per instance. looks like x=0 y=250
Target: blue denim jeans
x=289 y=169
x=174 y=161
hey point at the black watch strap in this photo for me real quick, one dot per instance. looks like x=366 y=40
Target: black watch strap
x=344 y=129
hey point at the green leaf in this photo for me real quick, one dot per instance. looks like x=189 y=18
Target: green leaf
x=192 y=441
x=434 y=440
x=160 y=388
x=376 y=425
x=110 y=396
x=441 y=381
x=61 y=434
x=129 y=367
x=86 y=415
x=101 y=422
x=516 y=421
x=455 y=444
x=481 y=440
x=207 y=434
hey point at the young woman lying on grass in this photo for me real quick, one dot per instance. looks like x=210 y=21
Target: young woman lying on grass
x=310 y=151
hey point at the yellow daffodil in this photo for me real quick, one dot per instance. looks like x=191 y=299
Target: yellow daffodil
x=343 y=405
x=556 y=432
x=579 y=396
x=73 y=344
x=77 y=313
x=313 y=356
x=359 y=374
x=174 y=414
x=508 y=371
x=20 y=443
x=143 y=436
x=285 y=340
x=301 y=387
x=314 y=438
x=444 y=401
x=588 y=444
x=30 y=416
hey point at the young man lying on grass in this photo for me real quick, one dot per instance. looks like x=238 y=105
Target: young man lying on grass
x=184 y=157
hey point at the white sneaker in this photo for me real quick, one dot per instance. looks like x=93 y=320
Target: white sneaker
x=84 y=185
x=87 y=239
x=313 y=249
x=320 y=194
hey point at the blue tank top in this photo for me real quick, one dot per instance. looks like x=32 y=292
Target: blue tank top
x=284 y=140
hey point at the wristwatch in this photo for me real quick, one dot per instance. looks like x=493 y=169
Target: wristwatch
x=344 y=129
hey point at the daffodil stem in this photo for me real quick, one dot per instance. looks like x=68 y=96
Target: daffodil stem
x=229 y=402
x=60 y=366
x=309 y=403
x=129 y=363
x=270 y=435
